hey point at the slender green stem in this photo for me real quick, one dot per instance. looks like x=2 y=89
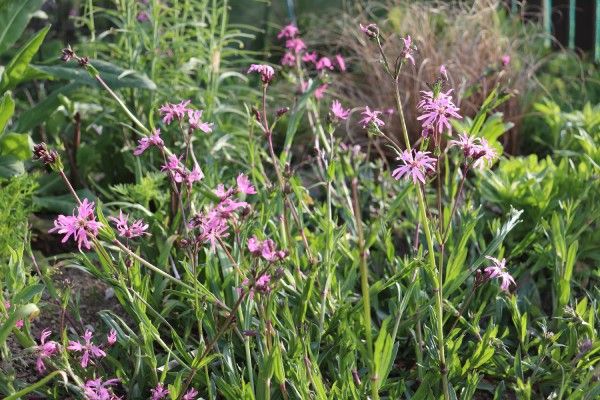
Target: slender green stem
x=364 y=283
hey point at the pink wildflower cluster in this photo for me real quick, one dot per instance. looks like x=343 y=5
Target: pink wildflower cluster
x=19 y=324
x=136 y=229
x=80 y=227
x=371 y=30
x=145 y=142
x=416 y=165
x=159 y=392
x=408 y=50
x=498 y=270
x=214 y=224
x=179 y=173
x=262 y=284
x=95 y=389
x=371 y=118
x=265 y=249
x=296 y=50
x=190 y=394
x=45 y=350
x=182 y=110
x=266 y=72
x=477 y=149
x=437 y=109
x=88 y=349
x=338 y=112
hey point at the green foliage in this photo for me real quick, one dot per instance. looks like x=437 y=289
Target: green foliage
x=16 y=197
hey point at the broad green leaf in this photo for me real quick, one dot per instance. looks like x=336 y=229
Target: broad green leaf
x=18 y=145
x=7 y=108
x=11 y=166
x=22 y=312
x=14 y=17
x=114 y=76
x=18 y=68
x=42 y=110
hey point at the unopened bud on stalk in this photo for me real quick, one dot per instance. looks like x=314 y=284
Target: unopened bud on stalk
x=256 y=114
x=67 y=54
x=282 y=111
x=48 y=157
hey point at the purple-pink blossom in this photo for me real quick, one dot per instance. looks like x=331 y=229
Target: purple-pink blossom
x=436 y=110
x=468 y=144
x=341 y=63
x=338 y=112
x=95 y=389
x=179 y=173
x=296 y=45
x=88 y=349
x=324 y=63
x=144 y=143
x=320 y=91
x=45 y=349
x=371 y=117
x=196 y=123
x=266 y=72
x=443 y=72
x=288 y=59
x=484 y=154
x=408 y=49
x=265 y=249
x=244 y=185
x=79 y=226
x=172 y=111
x=415 y=166
x=505 y=60
x=111 y=338
x=136 y=229
x=498 y=270
x=310 y=57
x=288 y=32
x=159 y=392
x=19 y=324
x=190 y=394
x=371 y=30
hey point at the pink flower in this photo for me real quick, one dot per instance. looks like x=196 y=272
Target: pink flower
x=137 y=228
x=288 y=59
x=340 y=62
x=320 y=91
x=194 y=118
x=159 y=392
x=371 y=30
x=45 y=350
x=171 y=111
x=89 y=349
x=190 y=394
x=194 y=175
x=288 y=32
x=296 y=45
x=467 y=143
x=78 y=226
x=227 y=206
x=111 y=338
x=324 y=63
x=498 y=270
x=244 y=185
x=338 y=111
x=213 y=228
x=443 y=72
x=266 y=72
x=371 y=117
x=19 y=324
x=262 y=283
x=505 y=60
x=221 y=192
x=407 y=51
x=414 y=167
x=143 y=16
x=266 y=249
x=484 y=154
x=145 y=142
x=95 y=389
x=310 y=57
x=437 y=109
x=174 y=167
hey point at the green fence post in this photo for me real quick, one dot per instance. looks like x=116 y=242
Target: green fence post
x=547 y=15
x=571 y=24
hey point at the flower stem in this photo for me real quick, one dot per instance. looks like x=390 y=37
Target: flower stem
x=364 y=283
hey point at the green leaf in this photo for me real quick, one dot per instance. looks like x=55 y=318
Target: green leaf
x=11 y=166
x=296 y=115
x=42 y=110
x=114 y=76
x=17 y=69
x=23 y=312
x=14 y=17
x=17 y=145
x=7 y=108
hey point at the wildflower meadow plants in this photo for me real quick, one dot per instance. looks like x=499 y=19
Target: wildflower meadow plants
x=298 y=276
